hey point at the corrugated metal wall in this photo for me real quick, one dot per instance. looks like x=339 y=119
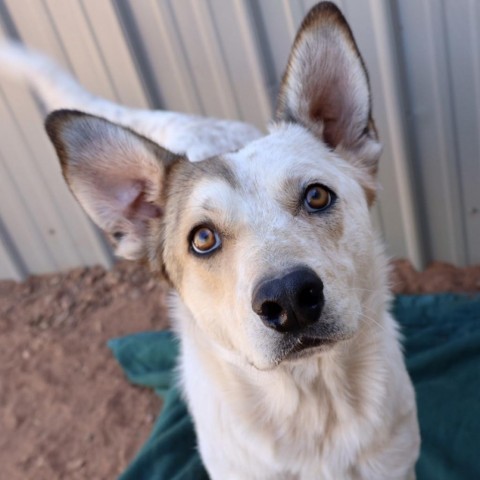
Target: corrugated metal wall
x=224 y=58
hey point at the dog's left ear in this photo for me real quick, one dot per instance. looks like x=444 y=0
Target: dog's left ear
x=325 y=87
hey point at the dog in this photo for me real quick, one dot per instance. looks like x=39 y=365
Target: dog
x=290 y=361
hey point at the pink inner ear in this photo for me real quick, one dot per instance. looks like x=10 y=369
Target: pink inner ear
x=333 y=101
x=141 y=209
x=131 y=201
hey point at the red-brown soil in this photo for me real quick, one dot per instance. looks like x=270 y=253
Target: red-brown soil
x=66 y=411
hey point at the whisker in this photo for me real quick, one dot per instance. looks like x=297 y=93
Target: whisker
x=372 y=319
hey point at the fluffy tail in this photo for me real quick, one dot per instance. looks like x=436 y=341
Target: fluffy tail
x=55 y=87
x=58 y=89
x=178 y=132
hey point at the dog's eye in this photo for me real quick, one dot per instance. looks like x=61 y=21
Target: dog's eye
x=204 y=240
x=317 y=198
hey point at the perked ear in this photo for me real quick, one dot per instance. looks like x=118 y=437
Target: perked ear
x=117 y=176
x=325 y=87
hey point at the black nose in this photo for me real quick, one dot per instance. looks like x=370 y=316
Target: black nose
x=290 y=302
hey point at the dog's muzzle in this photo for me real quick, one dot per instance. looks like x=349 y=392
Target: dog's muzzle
x=289 y=303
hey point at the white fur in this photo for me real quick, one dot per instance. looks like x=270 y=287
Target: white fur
x=304 y=419
x=346 y=412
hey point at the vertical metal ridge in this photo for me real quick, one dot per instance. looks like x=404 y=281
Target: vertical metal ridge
x=20 y=222
x=453 y=166
x=254 y=62
x=441 y=87
x=217 y=59
x=11 y=264
x=384 y=40
x=461 y=32
x=190 y=70
x=165 y=56
x=107 y=34
x=424 y=51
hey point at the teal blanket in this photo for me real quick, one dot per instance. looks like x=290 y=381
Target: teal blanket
x=442 y=349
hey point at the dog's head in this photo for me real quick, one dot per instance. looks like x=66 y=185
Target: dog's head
x=269 y=247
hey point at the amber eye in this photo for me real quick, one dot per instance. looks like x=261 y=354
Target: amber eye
x=317 y=198
x=204 y=240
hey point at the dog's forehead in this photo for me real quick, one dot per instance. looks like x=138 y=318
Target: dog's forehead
x=287 y=151
x=263 y=166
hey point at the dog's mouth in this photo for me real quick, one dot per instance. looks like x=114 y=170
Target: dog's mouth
x=306 y=346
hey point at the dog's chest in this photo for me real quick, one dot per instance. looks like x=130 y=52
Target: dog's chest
x=307 y=433
x=279 y=431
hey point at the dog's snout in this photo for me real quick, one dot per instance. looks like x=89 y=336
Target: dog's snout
x=290 y=302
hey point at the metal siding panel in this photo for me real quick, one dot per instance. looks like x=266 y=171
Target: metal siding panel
x=372 y=25
x=34 y=25
x=431 y=117
x=9 y=265
x=78 y=41
x=278 y=21
x=18 y=216
x=64 y=237
x=226 y=59
x=80 y=236
x=207 y=65
x=236 y=32
x=165 y=55
x=308 y=4
x=115 y=54
x=15 y=221
x=67 y=237
x=181 y=51
x=463 y=40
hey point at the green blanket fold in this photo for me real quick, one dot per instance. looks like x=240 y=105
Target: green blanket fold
x=442 y=349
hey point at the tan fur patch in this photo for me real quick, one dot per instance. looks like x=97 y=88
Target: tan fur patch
x=181 y=180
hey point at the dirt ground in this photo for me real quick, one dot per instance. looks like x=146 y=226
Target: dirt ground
x=66 y=411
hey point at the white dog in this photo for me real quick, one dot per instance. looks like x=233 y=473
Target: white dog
x=290 y=360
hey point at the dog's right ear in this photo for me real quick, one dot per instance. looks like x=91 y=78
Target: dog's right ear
x=116 y=175
x=325 y=87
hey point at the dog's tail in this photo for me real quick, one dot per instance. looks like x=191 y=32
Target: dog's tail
x=54 y=87
x=181 y=133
